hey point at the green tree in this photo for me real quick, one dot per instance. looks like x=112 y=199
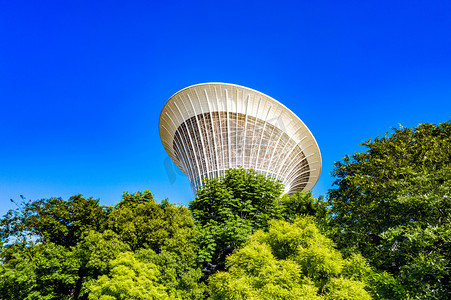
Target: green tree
x=228 y=210
x=162 y=234
x=392 y=203
x=303 y=204
x=46 y=253
x=129 y=279
x=57 y=249
x=293 y=260
x=50 y=271
x=45 y=271
x=55 y=220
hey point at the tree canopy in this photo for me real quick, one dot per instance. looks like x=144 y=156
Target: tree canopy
x=54 y=220
x=229 y=209
x=75 y=249
x=293 y=260
x=392 y=203
x=383 y=232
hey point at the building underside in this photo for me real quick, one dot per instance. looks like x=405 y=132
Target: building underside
x=209 y=128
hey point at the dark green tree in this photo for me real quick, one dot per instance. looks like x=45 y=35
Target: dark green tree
x=303 y=204
x=228 y=210
x=54 y=248
x=62 y=222
x=392 y=203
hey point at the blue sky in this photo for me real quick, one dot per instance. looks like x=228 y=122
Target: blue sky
x=82 y=83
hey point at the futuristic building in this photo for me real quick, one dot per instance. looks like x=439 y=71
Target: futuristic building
x=210 y=127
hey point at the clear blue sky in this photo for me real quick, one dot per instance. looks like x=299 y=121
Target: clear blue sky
x=82 y=83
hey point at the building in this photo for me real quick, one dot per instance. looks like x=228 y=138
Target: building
x=210 y=127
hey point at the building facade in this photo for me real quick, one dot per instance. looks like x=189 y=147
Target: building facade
x=211 y=127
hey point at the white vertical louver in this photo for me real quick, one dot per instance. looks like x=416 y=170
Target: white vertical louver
x=208 y=128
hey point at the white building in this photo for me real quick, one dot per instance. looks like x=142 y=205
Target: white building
x=210 y=127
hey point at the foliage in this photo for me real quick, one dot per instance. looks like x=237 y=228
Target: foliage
x=381 y=284
x=50 y=271
x=344 y=288
x=391 y=207
x=180 y=279
x=241 y=192
x=162 y=234
x=57 y=249
x=129 y=279
x=54 y=220
x=46 y=271
x=392 y=203
x=228 y=210
x=141 y=222
x=303 y=204
x=49 y=248
x=290 y=261
x=97 y=249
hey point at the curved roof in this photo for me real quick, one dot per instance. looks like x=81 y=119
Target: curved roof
x=223 y=97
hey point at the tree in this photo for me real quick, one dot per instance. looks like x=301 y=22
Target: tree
x=129 y=279
x=293 y=261
x=46 y=271
x=141 y=222
x=57 y=249
x=162 y=234
x=392 y=203
x=303 y=204
x=50 y=271
x=54 y=220
x=228 y=210
x=46 y=254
